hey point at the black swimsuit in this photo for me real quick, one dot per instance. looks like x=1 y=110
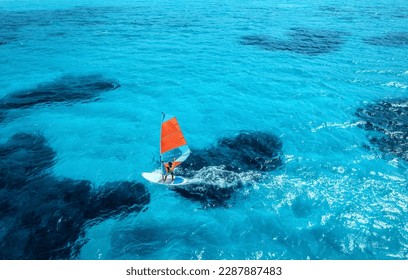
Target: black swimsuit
x=168 y=168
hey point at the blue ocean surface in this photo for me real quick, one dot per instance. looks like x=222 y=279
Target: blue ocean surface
x=296 y=113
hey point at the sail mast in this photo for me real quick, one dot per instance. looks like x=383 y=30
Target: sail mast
x=161 y=128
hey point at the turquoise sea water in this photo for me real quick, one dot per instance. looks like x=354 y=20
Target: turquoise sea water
x=299 y=70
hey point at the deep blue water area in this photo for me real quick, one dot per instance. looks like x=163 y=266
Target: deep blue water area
x=295 y=112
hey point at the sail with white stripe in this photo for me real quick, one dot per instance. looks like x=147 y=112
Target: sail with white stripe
x=173 y=145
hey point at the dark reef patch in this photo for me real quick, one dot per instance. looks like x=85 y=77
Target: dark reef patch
x=395 y=39
x=211 y=186
x=301 y=40
x=66 y=90
x=33 y=24
x=46 y=216
x=24 y=157
x=6 y=39
x=388 y=120
x=217 y=171
x=247 y=151
x=12 y=21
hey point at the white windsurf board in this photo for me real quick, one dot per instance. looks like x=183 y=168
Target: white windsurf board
x=157 y=178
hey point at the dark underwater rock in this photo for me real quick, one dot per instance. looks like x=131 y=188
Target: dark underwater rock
x=6 y=39
x=212 y=186
x=24 y=157
x=117 y=198
x=3 y=114
x=65 y=90
x=389 y=120
x=395 y=39
x=217 y=172
x=46 y=216
x=301 y=40
x=246 y=151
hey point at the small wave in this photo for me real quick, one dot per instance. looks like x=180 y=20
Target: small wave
x=391 y=177
x=378 y=71
x=405 y=73
x=394 y=162
x=338 y=125
x=396 y=84
x=400 y=105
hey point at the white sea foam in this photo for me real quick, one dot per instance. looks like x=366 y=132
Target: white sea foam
x=222 y=178
x=379 y=71
x=396 y=84
x=400 y=105
x=337 y=125
x=391 y=177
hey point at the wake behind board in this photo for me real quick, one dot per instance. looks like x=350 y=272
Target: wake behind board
x=157 y=178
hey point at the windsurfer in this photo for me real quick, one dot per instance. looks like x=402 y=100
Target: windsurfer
x=170 y=170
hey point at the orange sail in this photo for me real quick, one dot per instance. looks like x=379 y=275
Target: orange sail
x=173 y=145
